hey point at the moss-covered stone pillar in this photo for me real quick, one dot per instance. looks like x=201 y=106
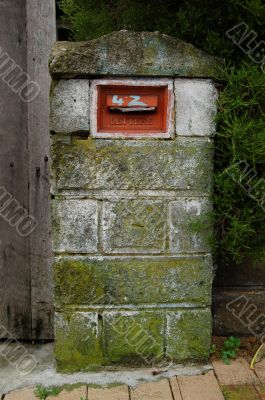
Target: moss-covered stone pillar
x=131 y=213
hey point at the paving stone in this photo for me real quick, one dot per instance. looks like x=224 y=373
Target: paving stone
x=261 y=390
x=241 y=392
x=236 y=373
x=23 y=394
x=152 y=391
x=175 y=388
x=74 y=394
x=75 y=226
x=70 y=106
x=260 y=370
x=200 y=387
x=115 y=393
x=195 y=107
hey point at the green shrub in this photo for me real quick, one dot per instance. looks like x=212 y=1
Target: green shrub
x=239 y=146
x=43 y=392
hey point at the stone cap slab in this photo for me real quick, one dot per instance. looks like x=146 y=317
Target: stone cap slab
x=126 y=53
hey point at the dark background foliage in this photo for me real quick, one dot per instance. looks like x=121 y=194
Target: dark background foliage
x=240 y=140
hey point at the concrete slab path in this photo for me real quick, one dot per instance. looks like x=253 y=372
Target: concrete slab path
x=211 y=382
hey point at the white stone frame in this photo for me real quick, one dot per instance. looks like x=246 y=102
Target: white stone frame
x=170 y=131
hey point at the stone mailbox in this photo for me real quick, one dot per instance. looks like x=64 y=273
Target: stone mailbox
x=132 y=115
x=135 y=108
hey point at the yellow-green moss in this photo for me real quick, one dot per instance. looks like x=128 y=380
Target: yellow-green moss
x=78 y=344
x=132 y=280
x=134 y=165
x=134 y=338
x=240 y=393
x=189 y=335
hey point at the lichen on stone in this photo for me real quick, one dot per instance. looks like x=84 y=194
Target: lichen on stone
x=126 y=53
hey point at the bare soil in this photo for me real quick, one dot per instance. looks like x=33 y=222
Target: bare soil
x=249 y=346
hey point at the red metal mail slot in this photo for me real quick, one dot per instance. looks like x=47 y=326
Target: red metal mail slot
x=132 y=109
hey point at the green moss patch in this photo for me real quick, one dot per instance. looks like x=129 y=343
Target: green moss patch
x=129 y=165
x=240 y=393
x=132 y=281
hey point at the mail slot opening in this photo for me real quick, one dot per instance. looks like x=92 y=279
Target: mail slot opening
x=132 y=110
x=127 y=110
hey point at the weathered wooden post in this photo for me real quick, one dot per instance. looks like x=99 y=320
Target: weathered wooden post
x=27 y=33
x=132 y=118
